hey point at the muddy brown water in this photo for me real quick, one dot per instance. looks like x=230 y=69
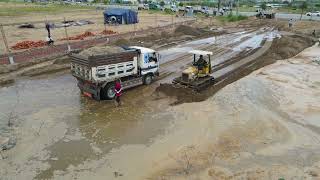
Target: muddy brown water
x=101 y=123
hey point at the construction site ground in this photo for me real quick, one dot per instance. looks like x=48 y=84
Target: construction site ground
x=14 y=34
x=262 y=126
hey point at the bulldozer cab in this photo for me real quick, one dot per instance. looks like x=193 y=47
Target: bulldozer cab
x=202 y=62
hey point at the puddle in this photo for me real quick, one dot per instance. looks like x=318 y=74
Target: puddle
x=210 y=40
x=64 y=154
x=252 y=43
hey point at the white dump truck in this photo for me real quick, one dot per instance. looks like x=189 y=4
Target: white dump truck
x=96 y=74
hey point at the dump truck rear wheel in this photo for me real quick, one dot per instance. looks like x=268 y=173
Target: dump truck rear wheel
x=108 y=91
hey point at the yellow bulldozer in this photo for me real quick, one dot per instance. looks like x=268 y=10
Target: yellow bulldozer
x=198 y=76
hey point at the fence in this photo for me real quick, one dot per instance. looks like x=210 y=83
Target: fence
x=62 y=49
x=15 y=34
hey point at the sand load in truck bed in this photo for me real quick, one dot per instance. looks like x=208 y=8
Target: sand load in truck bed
x=97 y=56
x=101 y=50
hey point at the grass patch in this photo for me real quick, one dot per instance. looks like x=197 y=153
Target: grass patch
x=232 y=18
x=19 y=9
x=246 y=9
x=165 y=12
x=290 y=10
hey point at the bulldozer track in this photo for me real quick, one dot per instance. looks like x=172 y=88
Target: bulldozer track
x=241 y=64
x=203 y=47
x=232 y=60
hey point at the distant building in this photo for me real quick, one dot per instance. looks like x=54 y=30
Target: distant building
x=130 y=1
x=270 y=1
x=286 y=1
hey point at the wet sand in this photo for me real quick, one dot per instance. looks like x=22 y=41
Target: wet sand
x=263 y=126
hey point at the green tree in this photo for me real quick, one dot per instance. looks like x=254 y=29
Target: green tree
x=162 y=3
x=106 y=1
x=263 y=6
x=180 y=4
x=303 y=7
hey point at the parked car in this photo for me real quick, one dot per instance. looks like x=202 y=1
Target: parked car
x=317 y=13
x=143 y=7
x=154 y=6
x=225 y=9
x=205 y=10
x=140 y=7
x=181 y=8
x=174 y=8
x=188 y=8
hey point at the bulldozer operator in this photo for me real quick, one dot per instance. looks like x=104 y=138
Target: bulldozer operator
x=201 y=63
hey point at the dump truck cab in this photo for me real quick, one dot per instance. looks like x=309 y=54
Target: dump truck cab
x=148 y=60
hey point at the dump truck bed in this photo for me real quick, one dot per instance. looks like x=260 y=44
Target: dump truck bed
x=103 y=59
x=103 y=67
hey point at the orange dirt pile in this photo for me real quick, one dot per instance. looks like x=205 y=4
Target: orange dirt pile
x=80 y=36
x=28 y=44
x=108 y=32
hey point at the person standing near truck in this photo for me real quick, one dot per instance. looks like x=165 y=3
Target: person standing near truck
x=49 y=38
x=290 y=23
x=118 y=91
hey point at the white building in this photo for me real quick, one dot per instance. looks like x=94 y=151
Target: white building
x=131 y=1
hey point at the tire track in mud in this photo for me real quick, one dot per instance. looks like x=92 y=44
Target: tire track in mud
x=218 y=49
x=222 y=73
x=238 y=68
x=203 y=47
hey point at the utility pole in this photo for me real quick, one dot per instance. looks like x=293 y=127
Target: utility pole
x=11 y=61
x=65 y=29
x=172 y=22
x=237 y=7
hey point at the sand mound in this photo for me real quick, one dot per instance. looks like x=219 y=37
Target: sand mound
x=187 y=30
x=288 y=46
x=121 y=42
x=300 y=27
x=98 y=50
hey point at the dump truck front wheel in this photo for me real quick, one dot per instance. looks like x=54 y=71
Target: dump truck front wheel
x=147 y=79
x=108 y=91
